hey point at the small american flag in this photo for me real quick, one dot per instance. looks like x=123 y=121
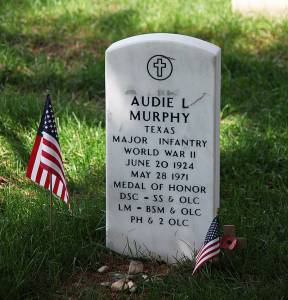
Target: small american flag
x=46 y=165
x=211 y=246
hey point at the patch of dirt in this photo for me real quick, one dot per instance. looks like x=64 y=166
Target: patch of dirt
x=70 y=49
x=82 y=280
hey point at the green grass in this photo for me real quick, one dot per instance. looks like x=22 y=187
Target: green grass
x=59 y=45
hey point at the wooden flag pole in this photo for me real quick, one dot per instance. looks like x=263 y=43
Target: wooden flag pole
x=51 y=202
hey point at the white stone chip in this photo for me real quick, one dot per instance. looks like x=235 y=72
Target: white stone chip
x=103 y=269
x=135 y=267
x=120 y=285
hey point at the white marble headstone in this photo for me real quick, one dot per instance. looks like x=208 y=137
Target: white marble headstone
x=266 y=7
x=162 y=118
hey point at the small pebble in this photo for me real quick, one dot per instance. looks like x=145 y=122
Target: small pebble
x=135 y=267
x=130 y=283
x=145 y=277
x=132 y=286
x=133 y=289
x=103 y=269
x=119 y=285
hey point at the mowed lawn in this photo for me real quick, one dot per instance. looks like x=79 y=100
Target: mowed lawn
x=59 y=46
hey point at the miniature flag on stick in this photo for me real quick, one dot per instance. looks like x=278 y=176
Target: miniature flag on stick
x=211 y=247
x=46 y=165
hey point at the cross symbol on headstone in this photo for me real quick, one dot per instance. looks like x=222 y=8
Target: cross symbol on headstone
x=159 y=65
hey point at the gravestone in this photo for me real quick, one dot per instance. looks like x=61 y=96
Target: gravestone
x=162 y=118
x=277 y=8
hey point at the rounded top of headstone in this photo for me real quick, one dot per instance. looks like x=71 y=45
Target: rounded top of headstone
x=166 y=37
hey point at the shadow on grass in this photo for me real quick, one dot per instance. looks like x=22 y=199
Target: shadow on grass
x=73 y=64
x=12 y=138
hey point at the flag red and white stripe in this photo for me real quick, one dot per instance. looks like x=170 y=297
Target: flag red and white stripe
x=46 y=165
x=211 y=246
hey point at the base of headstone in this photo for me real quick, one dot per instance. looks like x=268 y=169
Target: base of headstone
x=264 y=7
